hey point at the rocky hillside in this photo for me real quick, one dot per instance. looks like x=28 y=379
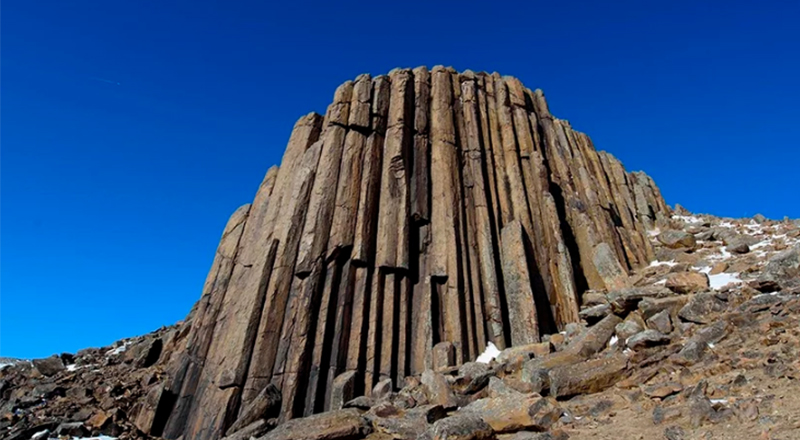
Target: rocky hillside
x=105 y=391
x=439 y=257
x=704 y=344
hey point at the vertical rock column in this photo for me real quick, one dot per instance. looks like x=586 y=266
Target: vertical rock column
x=445 y=205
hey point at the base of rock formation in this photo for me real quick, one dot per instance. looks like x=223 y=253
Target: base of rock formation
x=703 y=344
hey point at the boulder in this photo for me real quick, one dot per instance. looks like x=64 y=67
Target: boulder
x=596 y=338
x=74 y=429
x=360 y=402
x=343 y=389
x=472 y=377
x=626 y=300
x=595 y=313
x=498 y=388
x=651 y=306
x=525 y=351
x=343 y=424
x=438 y=389
x=382 y=389
x=662 y=390
x=647 y=338
x=444 y=356
x=515 y=413
x=462 y=427
x=534 y=373
x=555 y=434
x=412 y=424
x=587 y=377
x=718 y=268
x=687 y=282
x=49 y=366
x=628 y=328
x=701 y=306
x=661 y=322
x=253 y=430
x=700 y=408
x=738 y=247
x=781 y=272
x=675 y=239
x=697 y=346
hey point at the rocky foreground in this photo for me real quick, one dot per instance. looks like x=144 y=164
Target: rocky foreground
x=704 y=343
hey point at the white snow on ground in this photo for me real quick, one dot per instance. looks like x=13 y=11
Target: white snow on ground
x=613 y=341
x=721 y=280
x=489 y=354
x=118 y=350
x=72 y=367
x=723 y=255
x=7 y=362
x=688 y=218
x=669 y=263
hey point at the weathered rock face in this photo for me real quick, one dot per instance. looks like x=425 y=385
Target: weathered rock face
x=425 y=207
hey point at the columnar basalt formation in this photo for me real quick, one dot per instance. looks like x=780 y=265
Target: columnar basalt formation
x=424 y=207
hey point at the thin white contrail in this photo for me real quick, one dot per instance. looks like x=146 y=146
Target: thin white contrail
x=107 y=81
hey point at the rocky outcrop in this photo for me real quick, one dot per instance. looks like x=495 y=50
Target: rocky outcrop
x=424 y=207
x=648 y=362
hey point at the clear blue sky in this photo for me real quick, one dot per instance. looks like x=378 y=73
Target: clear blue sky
x=114 y=195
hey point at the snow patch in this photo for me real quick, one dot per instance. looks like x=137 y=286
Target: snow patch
x=613 y=341
x=489 y=354
x=669 y=263
x=688 y=218
x=119 y=350
x=72 y=367
x=720 y=280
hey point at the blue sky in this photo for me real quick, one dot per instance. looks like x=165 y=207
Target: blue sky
x=132 y=129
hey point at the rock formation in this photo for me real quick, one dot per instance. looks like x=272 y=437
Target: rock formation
x=424 y=208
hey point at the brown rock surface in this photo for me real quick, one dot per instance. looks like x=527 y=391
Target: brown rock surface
x=427 y=213
x=649 y=362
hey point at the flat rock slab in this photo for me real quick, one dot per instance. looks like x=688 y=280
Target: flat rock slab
x=647 y=338
x=516 y=413
x=462 y=427
x=687 y=282
x=587 y=377
x=675 y=239
x=345 y=424
x=701 y=307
